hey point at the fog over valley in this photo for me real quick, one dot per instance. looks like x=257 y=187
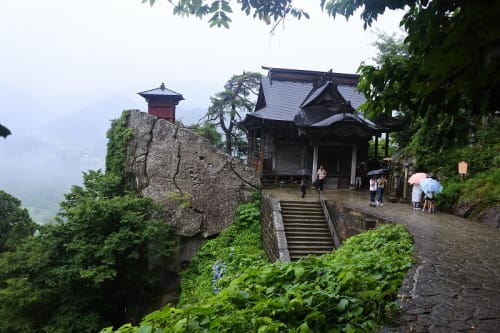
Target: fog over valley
x=45 y=156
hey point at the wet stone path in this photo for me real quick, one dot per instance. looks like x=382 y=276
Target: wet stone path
x=454 y=285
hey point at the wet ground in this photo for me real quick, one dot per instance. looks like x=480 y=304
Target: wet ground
x=454 y=285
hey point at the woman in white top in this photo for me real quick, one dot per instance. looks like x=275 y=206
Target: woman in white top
x=321 y=177
x=416 y=196
x=373 y=191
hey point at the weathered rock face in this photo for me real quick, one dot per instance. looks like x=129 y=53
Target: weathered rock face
x=173 y=166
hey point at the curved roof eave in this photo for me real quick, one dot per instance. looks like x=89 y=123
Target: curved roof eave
x=345 y=118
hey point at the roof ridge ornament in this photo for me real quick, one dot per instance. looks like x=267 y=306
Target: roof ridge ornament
x=162 y=86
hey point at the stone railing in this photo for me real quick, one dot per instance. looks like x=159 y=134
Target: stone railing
x=348 y=222
x=343 y=222
x=331 y=224
x=273 y=230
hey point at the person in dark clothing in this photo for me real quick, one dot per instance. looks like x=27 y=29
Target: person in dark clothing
x=303 y=186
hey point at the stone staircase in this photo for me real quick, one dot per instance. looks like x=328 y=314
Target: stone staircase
x=306 y=229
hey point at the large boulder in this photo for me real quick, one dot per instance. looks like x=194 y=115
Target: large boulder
x=199 y=185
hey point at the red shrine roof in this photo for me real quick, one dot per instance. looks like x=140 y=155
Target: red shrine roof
x=161 y=92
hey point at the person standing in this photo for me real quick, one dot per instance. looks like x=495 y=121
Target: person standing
x=357 y=180
x=429 y=202
x=416 y=196
x=381 y=184
x=303 y=186
x=373 y=190
x=320 y=178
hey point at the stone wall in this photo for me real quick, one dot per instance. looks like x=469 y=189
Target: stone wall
x=350 y=222
x=199 y=185
x=273 y=229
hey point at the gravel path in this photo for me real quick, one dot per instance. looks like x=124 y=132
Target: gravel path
x=455 y=284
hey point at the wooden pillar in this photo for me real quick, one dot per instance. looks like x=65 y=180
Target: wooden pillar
x=315 y=163
x=354 y=163
x=386 y=145
x=376 y=148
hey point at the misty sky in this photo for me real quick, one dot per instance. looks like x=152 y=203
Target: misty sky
x=63 y=55
x=67 y=67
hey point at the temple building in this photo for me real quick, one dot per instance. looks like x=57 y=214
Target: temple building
x=304 y=119
x=162 y=102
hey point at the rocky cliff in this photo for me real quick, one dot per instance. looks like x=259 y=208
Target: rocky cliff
x=199 y=185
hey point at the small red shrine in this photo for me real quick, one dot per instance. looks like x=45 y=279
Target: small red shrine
x=161 y=102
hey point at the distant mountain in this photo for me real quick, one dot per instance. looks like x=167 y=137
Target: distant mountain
x=86 y=129
x=42 y=160
x=19 y=106
x=40 y=164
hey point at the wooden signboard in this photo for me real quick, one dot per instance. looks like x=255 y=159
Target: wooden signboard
x=462 y=167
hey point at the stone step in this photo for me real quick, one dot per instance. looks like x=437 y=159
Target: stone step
x=304 y=252
x=309 y=209
x=303 y=216
x=300 y=203
x=306 y=229
x=304 y=219
x=296 y=255
x=292 y=204
x=302 y=212
x=302 y=247
x=302 y=236
x=306 y=223
x=301 y=244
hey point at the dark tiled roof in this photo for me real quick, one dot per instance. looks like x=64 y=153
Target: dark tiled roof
x=315 y=93
x=161 y=91
x=309 y=99
x=351 y=95
x=283 y=99
x=344 y=117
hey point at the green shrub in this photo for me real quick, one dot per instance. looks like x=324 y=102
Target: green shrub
x=236 y=248
x=118 y=137
x=451 y=192
x=350 y=290
x=482 y=191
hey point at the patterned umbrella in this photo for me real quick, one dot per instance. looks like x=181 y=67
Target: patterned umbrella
x=416 y=178
x=430 y=185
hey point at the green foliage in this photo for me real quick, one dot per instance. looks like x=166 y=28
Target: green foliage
x=350 y=290
x=381 y=143
x=15 y=222
x=483 y=191
x=78 y=274
x=4 y=131
x=118 y=137
x=439 y=147
x=393 y=54
x=208 y=131
x=436 y=140
x=450 y=195
x=219 y=12
x=230 y=105
x=452 y=58
x=236 y=248
x=184 y=199
x=478 y=193
x=451 y=62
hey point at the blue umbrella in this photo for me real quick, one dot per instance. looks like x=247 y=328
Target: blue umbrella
x=430 y=185
x=304 y=172
x=377 y=172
